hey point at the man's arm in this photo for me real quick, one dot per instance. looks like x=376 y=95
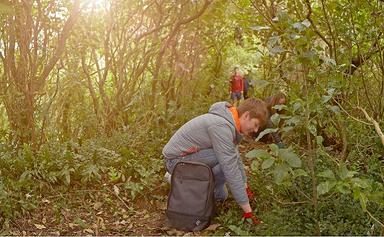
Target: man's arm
x=275 y=135
x=226 y=153
x=241 y=167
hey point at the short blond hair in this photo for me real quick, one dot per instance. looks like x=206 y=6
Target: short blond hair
x=257 y=109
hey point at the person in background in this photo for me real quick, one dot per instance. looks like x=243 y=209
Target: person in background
x=213 y=139
x=236 y=87
x=271 y=101
x=246 y=85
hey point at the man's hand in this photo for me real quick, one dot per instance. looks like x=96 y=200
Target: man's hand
x=249 y=218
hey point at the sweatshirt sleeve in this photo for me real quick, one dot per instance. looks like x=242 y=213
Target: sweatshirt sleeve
x=241 y=166
x=275 y=135
x=227 y=155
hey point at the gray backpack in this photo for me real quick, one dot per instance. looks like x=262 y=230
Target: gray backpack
x=191 y=203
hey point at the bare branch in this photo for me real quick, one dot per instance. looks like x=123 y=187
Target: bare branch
x=375 y=123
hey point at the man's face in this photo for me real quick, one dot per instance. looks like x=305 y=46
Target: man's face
x=248 y=125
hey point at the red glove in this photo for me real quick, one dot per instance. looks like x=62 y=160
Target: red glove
x=251 y=219
x=249 y=193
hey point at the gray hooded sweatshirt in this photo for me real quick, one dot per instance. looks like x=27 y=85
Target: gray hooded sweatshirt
x=214 y=130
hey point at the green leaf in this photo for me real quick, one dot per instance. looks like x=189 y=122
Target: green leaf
x=319 y=140
x=274 y=148
x=326 y=98
x=308 y=57
x=298 y=26
x=287 y=129
x=266 y=131
x=267 y=163
x=330 y=91
x=343 y=188
x=362 y=183
x=327 y=174
x=280 y=173
x=272 y=41
x=300 y=172
x=258 y=28
x=363 y=201
x=258 y=153
x=312 y=129
x=323 y=188
x=275 y=118
x=237 y=230
x=335 y=109
x=291 y=158
x=344 y=173
x=306 y=23
x=280 y=107
x=297 y=105
x=294 y=36
x=255 y=165
x=276 y=50
x=377 y=197
x=293 y=121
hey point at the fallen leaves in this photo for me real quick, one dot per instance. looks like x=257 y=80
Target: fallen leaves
x=40 y=227
x=213 y=227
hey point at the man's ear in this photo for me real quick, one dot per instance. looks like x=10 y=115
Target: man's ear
x=245 y=115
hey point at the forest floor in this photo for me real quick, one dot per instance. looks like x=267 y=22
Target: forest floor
x=105 y=211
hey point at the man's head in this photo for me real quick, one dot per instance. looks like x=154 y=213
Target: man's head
x=235 y=70
x=253 y=115
x=277 y=99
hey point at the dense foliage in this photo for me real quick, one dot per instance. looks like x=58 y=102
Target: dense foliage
x=90 y=91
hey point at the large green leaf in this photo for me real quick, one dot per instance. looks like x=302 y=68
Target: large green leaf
x=326 y=98
x=275 y=119
x=266 y=131
x=300 y=172
x=362 y=183
x=327 y=174
x=334 y=108
x=274 y=148
x=323 y=188
x=293 y=121
x=237 y=230
x=280 y=173
x=258 y=153
x=267 y=163
x=280 y=107
x=344 y=173
x=291 y=158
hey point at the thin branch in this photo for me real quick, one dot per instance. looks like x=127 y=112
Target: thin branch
x=380 y=223
x=375 y=123
x=356 y=119
x=308 y=4
x=60 y=45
